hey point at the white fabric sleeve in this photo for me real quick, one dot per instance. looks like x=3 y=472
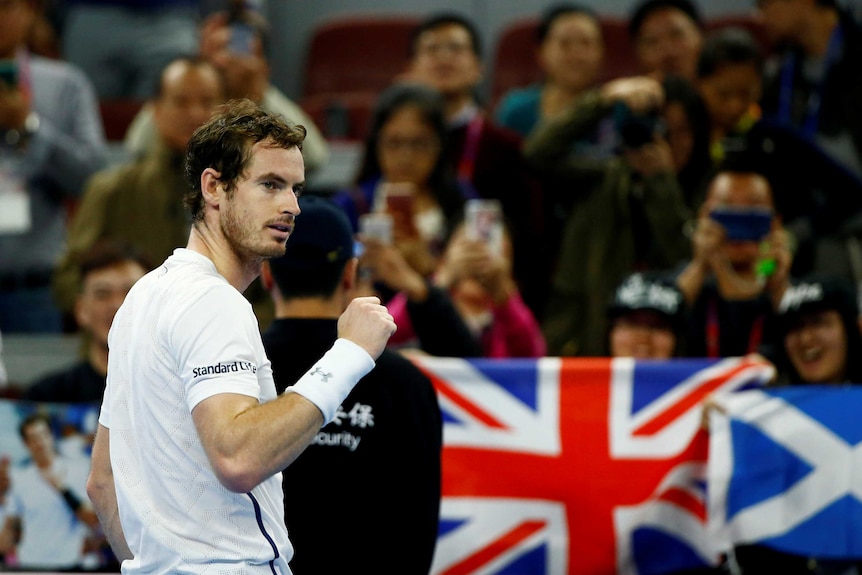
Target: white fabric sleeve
x=333 y=376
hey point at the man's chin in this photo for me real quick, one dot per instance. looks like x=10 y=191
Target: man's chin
x=275 y=250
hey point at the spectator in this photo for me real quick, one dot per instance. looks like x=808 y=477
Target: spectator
x=141 y=202
x=478 y=277
x=739 y=268
x=615 y=215
x=686 y=128
x=52 y=141
x=729 y=78
x=438 y=326
x=392 y=410
x=246 y=72
x=818 y=320
x=136 y=40
x=570 y=53
x=813 y=85
x=646 y=318
x=446 y=54
x=406 y=146
x=108 y=271
x=48 y=518
x=667 y=35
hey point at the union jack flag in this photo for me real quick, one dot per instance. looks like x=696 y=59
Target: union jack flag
x=583 y=466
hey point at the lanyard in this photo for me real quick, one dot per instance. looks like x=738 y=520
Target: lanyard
x=713 y=332
x=785 y=96
x=467 y=163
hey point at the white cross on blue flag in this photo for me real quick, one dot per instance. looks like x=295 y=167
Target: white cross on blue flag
x=785 y=470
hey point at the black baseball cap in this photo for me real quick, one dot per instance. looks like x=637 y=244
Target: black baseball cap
x=648 y=291
x=818 y=293
x=322 y=236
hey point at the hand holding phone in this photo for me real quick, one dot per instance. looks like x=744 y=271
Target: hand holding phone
x=241 y=38
x=484 y=221
x=376 y=225
x=399 y=200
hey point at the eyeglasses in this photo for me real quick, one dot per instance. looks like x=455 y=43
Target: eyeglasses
x=436 y=49
x=417 y=145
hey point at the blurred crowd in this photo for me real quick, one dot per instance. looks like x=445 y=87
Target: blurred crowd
x=667 y=213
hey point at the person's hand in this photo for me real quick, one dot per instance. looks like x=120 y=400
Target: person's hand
x=13 y=108
x=778 y=250
x=455 y=263
x=474 y=259
x=5 y=481
x=707 y=241
x=245 y=75
x=368 y=324
x=650 y=159
x=387 y=265
x=640 y=93
x=52 y=477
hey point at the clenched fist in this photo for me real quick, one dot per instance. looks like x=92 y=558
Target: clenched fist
x=368 y=324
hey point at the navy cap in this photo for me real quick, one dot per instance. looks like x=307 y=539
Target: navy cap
x=819 y=293
x=322 y=236
x=641 y=291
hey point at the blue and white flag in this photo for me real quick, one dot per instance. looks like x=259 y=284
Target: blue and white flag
x=785 y=470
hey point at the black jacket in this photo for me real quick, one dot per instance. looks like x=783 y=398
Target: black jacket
x=367 y=490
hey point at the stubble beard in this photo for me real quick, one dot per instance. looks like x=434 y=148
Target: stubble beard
x=246 y=243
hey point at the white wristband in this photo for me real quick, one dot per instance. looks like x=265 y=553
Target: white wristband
x=333 y=376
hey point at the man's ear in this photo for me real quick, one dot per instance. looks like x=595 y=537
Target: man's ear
x=211 y=187
x=348 y=276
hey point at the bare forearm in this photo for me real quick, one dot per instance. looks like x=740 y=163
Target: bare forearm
x=103 y=494
x=10 y=534
x=258 y=441
x=109 y=518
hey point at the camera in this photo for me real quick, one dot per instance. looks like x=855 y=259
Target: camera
x=637 y=129
x=743 y=224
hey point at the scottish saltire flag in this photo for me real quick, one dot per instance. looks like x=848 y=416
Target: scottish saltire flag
x=581 y=466
x=785 y=470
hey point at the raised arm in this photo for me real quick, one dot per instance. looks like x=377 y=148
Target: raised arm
x=247 y=442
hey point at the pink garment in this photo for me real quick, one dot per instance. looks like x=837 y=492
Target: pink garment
x=514 y=331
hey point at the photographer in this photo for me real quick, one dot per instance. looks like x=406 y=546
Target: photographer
x=618 y=212
x=739 y=268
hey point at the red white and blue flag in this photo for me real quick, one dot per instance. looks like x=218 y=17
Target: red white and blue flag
x=581 y=466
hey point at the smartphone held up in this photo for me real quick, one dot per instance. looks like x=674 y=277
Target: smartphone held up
x=484 y=221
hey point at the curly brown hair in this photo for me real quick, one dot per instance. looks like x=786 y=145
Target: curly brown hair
x=224 y=143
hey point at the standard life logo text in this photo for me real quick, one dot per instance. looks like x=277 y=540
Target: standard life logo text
x=230 y=367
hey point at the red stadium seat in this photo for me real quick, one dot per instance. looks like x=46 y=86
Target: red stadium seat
x=349 y=61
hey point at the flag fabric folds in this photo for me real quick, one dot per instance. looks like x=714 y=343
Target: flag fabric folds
x=581 y=466
x=785 y=470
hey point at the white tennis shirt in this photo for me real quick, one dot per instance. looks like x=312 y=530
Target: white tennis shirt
x=182 y=335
